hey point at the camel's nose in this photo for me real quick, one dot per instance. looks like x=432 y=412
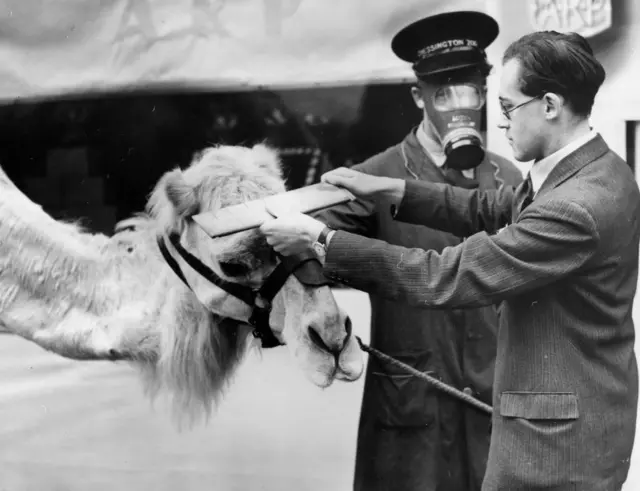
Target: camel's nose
x=348 y=328
x=328 y=339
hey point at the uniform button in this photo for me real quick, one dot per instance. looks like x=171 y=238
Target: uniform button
x=468 y=391
x=473 y=335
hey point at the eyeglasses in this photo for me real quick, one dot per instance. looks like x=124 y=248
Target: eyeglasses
x=507 y=112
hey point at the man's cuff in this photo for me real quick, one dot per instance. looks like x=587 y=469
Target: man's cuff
x=341 y=249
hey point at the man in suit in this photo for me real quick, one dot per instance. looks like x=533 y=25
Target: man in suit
x=412 y=437
x=561 y=254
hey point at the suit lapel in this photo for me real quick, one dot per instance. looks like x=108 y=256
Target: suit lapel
x=572 y=163
x=566 y=168
x=518 y=197
x=418 y=161
x=488 y=175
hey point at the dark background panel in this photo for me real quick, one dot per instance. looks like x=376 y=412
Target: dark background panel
x=98 y=158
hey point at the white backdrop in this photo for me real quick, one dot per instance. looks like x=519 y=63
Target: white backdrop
x=74 y=46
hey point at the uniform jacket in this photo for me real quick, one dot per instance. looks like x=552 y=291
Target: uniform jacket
x=411 y=437
x=565 y=270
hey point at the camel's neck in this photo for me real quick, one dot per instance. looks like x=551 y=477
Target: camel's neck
x=47 y=258
x=77 y=294
x=86 y=296
x=5 y=182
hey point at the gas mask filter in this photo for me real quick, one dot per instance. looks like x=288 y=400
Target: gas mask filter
x=455 y=113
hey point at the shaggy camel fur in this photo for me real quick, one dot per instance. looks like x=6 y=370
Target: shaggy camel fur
x=89 y=296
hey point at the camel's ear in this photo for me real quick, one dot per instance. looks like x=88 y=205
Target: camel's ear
x=267 y=159
x=171 y=201
x=180 y=194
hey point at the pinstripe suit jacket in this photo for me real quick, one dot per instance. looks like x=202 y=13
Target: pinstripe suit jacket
x=565 y=270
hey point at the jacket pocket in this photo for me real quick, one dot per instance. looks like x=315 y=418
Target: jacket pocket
x=539 y=405
x=404 y=400
x=536 y=440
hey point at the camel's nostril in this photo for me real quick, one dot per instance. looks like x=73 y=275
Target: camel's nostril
x=348 y=327
x=317 y=339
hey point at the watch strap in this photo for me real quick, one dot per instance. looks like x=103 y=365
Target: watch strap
x=322 y=238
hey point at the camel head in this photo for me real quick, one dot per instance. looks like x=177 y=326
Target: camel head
x=307 y=319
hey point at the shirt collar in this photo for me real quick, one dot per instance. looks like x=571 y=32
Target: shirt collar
x=540 y=170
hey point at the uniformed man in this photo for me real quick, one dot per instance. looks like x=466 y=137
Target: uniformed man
x=412 y=437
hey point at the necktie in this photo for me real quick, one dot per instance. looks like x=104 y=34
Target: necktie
x=527 y=192
x=457 y=178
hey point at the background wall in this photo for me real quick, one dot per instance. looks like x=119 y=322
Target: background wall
x=616 y=48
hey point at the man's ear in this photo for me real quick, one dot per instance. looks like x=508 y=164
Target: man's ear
x=553 y=104
x=416 y=93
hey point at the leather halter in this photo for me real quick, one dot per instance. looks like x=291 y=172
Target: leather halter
x=306 y=268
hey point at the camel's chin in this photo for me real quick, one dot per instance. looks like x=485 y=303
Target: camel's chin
x=321 y=379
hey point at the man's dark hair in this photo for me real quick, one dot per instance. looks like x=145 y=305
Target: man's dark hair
x=563 y=64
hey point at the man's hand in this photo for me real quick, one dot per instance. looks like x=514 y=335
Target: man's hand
x=365 y=186
x=292 y=233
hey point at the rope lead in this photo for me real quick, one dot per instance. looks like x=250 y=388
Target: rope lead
x=452 y=391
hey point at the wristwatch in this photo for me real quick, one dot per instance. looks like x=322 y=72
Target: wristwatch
x=320 y=245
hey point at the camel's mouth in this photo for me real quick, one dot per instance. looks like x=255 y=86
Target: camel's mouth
x=323 y=367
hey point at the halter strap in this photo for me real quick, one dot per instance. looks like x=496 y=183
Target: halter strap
x=259 y=317
x=173 y=264
x=305 y=267
x=239 y=291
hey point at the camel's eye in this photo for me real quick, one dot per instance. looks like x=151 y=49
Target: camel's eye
x=234 y=269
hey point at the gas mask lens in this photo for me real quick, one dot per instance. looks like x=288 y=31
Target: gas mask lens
x=452 y=97
x=456 y=115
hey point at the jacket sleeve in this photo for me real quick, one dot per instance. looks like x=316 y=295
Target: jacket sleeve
x=455 y=210
x=545 y=245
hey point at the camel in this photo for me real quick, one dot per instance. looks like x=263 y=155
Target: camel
x=89 y=296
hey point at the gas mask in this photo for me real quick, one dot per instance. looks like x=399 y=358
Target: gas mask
x=455 y=113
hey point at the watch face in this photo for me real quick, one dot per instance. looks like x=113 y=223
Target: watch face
x=318 y=248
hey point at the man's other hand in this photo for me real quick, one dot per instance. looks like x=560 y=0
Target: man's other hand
x=365 y=186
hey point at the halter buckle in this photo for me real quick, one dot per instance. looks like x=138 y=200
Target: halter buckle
x=261 y=329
